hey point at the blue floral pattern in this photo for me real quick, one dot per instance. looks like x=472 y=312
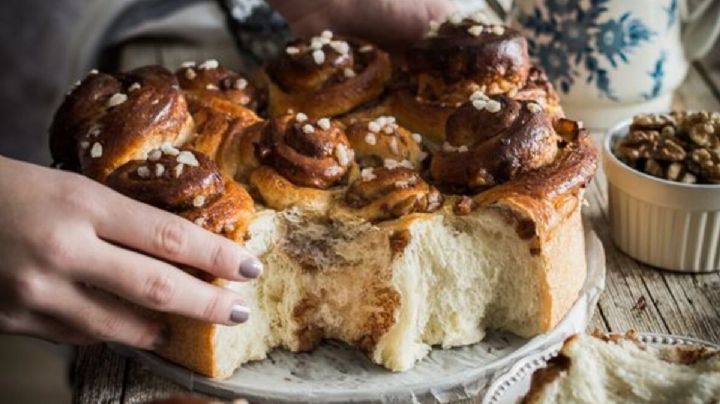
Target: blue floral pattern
x=672 y=11
x=657 y=75
x=574 y=33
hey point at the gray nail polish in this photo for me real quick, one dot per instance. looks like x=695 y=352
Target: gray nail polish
x=239 y=314
x=251 y=268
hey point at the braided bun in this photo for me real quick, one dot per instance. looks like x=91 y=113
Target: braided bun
x=301 y=158
x=109 y=120
x=222 y=103
x=467 y=54
x=490 y=140
x=326 y=76
x=309 y=154
x=174 y=180
x=188 y=184
x=457 y=59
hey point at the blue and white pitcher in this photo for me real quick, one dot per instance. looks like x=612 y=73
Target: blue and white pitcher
x=610 y=59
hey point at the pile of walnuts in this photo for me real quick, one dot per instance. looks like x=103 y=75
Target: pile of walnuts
x=680 y=146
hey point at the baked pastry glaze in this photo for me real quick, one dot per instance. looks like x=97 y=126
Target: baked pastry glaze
x=383 y=237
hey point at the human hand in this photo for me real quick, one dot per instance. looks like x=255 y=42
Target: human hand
x=392 y=24
x=73 y=253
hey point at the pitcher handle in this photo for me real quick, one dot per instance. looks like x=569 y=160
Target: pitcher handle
x=702 y=28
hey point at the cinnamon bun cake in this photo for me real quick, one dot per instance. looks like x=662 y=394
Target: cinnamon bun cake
x=396 y=211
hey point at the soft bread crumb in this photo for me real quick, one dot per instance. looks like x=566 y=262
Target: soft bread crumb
x=625 y=371
x=444 y=283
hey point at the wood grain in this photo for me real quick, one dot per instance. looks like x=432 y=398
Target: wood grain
x=636 y=297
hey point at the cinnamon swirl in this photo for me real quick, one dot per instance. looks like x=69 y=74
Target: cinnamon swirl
x=326 y=76
x=300 y=157
x=490 y=140
x=109 y=120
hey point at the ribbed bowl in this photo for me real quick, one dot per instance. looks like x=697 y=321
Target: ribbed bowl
x=666 y=224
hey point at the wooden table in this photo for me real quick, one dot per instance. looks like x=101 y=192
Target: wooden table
x=636 y=296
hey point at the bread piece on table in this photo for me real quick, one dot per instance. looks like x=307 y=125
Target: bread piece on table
x=620 y=369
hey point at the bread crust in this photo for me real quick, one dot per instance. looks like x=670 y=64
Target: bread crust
x=556 y=366
x=359 y=195
x=334 y=97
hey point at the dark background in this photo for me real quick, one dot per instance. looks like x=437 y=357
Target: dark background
x=33 y=72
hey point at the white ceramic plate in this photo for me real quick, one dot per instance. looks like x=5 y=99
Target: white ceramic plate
x=337 y=373
x=513 y=385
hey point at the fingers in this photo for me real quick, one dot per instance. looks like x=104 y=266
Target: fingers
x=172 y=238
x=159 y=286
x=99 y=316
x=50 y=329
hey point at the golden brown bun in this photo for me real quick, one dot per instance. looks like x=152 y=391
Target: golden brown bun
x=358 y=243
x=458 y=59
x=539 y=200
x=377 y=140
x=109 y=120
x=210 y=83
x=168 y=184
x=382 y=194
x=426 y=117
x=326 y=76
x=490 y=140
x=236 y=155
x=493 y=57
x=310 y=153
x=279 y=193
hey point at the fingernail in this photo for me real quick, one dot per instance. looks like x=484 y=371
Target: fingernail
x=239 y=314
x=163 y=338
x=251 y=268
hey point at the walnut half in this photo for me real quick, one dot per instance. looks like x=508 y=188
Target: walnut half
x=680 y=146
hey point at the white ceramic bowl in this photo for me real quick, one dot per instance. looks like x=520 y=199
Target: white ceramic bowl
x=666 y=224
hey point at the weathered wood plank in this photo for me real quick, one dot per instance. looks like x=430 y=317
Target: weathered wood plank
x=99 y=376
x=622 y=303
x=709 y=286
x=597 y=322
x=696 y=315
